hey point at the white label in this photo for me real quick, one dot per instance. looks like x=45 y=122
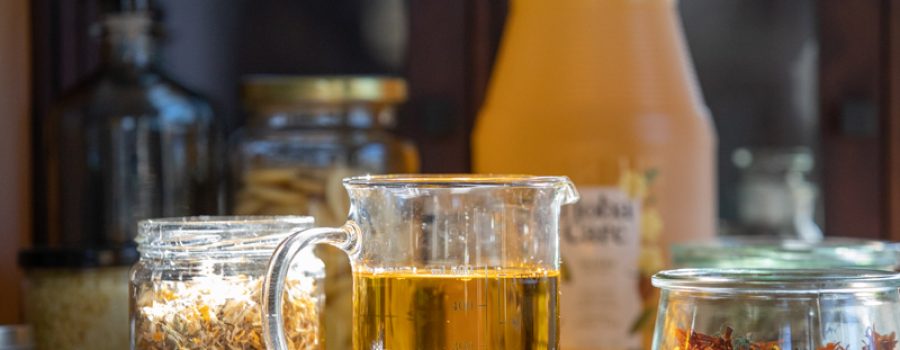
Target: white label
x=600 y=245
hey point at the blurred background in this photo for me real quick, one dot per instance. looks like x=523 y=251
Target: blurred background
x=810 y=87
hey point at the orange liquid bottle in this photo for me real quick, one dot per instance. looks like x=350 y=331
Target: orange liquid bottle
x=603 y=91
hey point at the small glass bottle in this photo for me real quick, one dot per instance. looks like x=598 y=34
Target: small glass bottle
x=303 y=136
x=198 y=283
x=128 y=144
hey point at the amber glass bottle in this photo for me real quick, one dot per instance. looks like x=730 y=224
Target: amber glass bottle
x=603 y=91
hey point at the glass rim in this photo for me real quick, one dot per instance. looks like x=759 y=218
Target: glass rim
x=456 y=180
x=193 y=236
x=786 y=243
x=777 y=281
x=208 y=220
x=569 y=194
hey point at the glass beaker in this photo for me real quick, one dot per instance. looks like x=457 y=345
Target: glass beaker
x=742 y=309
x=443 y=262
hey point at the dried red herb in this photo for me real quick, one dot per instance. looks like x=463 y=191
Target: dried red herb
x=833 y=346
x=700 y=341
x=879 y=341
x=763 y=345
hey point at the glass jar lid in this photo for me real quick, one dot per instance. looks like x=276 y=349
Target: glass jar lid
x=773 y=281
x=216 y=236
x=266 y=90
x=776 y=253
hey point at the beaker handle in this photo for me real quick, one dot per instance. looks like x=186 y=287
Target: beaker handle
x=345 y=237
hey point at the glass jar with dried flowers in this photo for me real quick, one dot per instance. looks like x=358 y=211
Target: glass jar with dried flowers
x=198 y=284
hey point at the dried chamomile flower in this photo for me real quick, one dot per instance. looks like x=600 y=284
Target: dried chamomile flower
x=220 y=313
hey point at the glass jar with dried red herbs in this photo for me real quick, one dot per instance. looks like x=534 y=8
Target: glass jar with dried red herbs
x=743 y=309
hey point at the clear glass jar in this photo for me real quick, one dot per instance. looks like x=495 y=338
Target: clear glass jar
x=775 y=253
x=197 y=284
x=835 y=309
x=303 y=136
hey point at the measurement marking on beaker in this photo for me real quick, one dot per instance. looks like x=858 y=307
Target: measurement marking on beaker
x=467 y=305
x=463 y=346
x=377 y=316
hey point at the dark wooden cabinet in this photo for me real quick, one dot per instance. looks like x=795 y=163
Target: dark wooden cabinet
x=14 y=155
x=860 y=116
x=891 y=118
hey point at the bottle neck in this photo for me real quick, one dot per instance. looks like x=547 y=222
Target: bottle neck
x=128 y=43
x=620 y=52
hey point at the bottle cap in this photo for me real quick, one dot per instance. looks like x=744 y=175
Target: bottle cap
x=260 y=90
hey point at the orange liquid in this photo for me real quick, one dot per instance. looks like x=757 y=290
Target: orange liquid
x=596 y=90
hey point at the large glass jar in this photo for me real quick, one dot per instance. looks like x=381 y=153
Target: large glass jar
x=198 y=284
x=303 y=136
x=741 y=309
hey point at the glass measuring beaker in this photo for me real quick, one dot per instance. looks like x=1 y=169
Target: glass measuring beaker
x=765 y=309
x=443 y=262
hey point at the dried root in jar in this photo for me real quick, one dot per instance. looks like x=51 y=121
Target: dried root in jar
x=296 y=191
